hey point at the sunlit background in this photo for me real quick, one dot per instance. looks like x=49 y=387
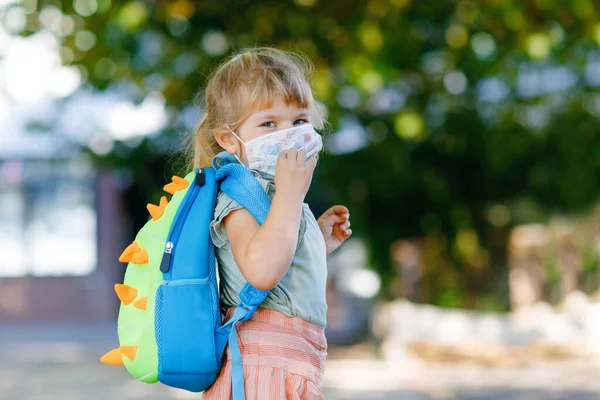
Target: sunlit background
x=464 y=138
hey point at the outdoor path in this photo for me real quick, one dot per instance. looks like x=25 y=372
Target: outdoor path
x=59 y=362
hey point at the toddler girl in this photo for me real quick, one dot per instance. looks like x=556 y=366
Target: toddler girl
x=259 y=108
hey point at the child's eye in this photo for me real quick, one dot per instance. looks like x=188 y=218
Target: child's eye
x=302 y=121
x=269 y=124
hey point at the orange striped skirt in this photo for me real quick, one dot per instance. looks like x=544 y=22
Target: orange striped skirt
x=282 y=358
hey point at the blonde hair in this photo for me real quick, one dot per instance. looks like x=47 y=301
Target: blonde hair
x=244 y=82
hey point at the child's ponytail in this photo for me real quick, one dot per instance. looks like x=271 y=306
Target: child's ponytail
x=204 y=145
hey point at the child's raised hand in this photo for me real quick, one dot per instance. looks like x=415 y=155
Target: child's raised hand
x=335 y=226
x=293 y=174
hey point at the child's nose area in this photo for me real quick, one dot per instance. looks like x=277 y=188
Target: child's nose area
x=289 y=122
x=286 y=125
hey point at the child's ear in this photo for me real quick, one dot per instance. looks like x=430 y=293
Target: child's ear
x=227 y=141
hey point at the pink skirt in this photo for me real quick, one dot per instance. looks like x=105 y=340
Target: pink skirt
x=282 y=358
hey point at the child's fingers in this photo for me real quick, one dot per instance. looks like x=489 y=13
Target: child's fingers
x=341 y=210
x=331 y=219
x=334 y=215
x=337 y=210
x=292 y=155
x=344 y=215
x=343 y=230
x=312 y=163
x=343 y=233
x=301 y=155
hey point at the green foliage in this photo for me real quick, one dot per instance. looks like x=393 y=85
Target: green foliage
x=487 y=131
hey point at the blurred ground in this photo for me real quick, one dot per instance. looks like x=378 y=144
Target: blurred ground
x=47 y=362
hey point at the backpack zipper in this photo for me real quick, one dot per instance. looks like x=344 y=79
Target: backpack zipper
x=165 y=264
x=182 y=282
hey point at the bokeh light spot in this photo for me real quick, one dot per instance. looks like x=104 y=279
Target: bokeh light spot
x=499 y=215
x=483 y=44
x=103 y=5
x=215 y=43
x=348 y=97
x=514 y=19
x=85 y=40
x=133 y=15
x=182 y=9
x=67 y=26
x=455 y=82
x=15 y=20
x=85 y=8
x=457 y=36
x=467 y=242
x=371 y=36
x=179 y=27
x=371 y=81
x=538 y=46
x=105 y=68
x=30 y=6
x=410 y=125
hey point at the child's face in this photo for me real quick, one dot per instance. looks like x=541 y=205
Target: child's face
x=275 y=118
x=268 y=120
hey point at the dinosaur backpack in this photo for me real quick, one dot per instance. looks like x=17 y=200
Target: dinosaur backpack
x=169 y=325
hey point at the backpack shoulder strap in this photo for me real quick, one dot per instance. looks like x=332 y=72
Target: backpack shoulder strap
x=239 y=184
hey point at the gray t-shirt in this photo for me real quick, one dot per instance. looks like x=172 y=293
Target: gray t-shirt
x=301 y=292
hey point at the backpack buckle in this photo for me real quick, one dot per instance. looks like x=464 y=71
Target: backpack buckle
x=249 y=311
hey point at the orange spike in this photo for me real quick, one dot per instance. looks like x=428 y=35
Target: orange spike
x=141 y=303
x=129 y=351
x=126 y=293
x=157 y=211
x=141 y=257
x=113 y=357
x=177 y=185
x=128 y=253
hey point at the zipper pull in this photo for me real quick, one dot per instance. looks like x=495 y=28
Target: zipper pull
x=165 y=264
x=200 y=178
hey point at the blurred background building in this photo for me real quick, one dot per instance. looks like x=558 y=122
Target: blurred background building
x=61 y=221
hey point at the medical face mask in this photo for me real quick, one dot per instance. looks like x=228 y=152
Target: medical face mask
x=262 y=152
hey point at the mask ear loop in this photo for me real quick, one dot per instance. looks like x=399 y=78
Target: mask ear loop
x=241 y=141
x=235 y=134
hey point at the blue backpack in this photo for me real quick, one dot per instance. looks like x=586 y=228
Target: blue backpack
x=169 y=325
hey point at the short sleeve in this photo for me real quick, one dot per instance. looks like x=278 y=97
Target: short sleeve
x=224 y=205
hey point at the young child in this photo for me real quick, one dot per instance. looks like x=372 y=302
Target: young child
x=259 y=107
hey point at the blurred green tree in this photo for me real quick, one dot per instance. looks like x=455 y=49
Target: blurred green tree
x=451 y=120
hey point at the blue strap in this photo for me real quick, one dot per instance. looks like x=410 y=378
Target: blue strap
x=241 y=313
x=239 y=184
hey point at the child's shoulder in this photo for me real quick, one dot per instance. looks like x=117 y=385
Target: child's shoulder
x=225 y=204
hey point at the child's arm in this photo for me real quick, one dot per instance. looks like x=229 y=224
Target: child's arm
x=264 y=253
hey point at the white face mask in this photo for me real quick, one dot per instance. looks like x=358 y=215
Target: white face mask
x=262 y=152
